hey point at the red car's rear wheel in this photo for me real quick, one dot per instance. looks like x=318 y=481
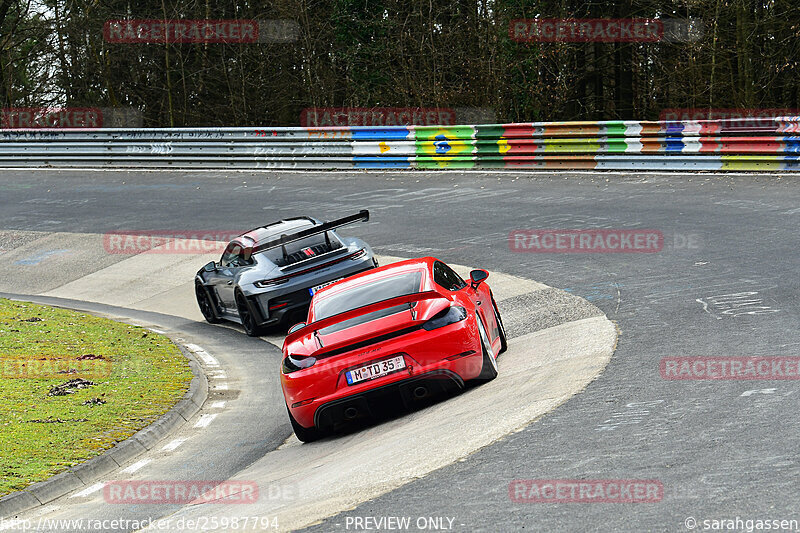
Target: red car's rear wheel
x=489 y=370
x=303 y=434
x=501 y=328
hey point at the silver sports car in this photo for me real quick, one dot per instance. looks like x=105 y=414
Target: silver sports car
x=266 y=277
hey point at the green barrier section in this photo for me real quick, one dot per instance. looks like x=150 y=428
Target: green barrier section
x=490 y=131
x=443 y=133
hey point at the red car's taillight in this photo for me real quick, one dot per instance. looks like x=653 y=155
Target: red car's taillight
x=445 y=317
x=293 y=364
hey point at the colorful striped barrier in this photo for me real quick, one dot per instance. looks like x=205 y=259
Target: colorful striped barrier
x=757 y=145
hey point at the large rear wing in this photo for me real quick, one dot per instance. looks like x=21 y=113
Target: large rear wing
x=360 y=311
x=361 y=216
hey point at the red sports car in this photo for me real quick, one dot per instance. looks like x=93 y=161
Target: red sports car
x=409 y=329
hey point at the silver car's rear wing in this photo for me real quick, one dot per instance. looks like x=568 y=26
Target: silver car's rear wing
x=361 y=216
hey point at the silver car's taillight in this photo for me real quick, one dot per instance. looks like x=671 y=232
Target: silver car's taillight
x=269 y=282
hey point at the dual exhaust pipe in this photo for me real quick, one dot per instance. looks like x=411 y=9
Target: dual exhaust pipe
x=419 y=393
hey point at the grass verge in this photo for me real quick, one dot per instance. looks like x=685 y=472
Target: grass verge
x=72 y=385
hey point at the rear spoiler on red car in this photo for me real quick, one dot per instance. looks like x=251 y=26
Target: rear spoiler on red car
x=361 y=216
x=360 y=311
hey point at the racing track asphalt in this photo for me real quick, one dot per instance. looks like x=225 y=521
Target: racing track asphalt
x=724 y=285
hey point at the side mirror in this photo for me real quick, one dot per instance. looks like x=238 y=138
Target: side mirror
x=297 y=326
x=478 y=277
x=211 y=266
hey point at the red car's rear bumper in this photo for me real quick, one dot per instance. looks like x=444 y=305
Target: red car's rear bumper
x=444 y=357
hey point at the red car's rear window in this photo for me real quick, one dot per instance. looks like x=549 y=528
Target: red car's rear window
x=366 y=294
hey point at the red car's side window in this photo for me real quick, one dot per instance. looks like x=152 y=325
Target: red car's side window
x=446 y=277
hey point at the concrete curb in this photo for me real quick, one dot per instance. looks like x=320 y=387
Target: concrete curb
x=84 y=474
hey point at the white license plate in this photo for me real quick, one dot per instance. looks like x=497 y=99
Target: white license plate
x=312 y=290
x=375 y=370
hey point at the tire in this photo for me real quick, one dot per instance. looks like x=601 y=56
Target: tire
x=246 y=316
x=206 y=304
x=304 y=434
x=489 y=369
x=501 y=327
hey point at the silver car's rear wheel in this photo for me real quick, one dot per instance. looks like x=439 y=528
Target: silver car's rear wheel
x=249 y=323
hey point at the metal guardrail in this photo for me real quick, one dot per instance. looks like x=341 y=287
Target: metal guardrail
x=733 y=144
